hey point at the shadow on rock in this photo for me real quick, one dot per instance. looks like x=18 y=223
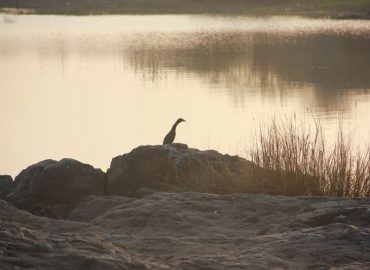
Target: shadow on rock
x=6 y=186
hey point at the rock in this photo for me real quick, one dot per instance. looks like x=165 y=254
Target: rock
x=190 y=231
x=6 y=186
x=51 y=188
x=95 y=206
x=177 y=167
x=340 y=219
x=33 y=242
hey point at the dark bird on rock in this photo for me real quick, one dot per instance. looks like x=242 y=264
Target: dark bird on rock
x=170 y=137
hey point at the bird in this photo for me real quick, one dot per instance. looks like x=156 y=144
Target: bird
x=170 y=137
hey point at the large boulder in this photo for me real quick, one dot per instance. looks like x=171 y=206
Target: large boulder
x=6 y=186
x=51 y=188
x=177 y=167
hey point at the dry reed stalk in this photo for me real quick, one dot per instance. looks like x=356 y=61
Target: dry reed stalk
x=299 y=156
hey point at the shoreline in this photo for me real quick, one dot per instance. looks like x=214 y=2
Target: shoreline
x=320 y=14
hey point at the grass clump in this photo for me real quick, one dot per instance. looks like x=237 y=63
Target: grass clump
x=302 y=161
x=289 y=157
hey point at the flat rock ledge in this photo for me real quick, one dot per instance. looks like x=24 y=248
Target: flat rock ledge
x=191 y=231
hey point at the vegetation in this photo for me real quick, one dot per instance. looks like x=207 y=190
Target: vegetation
x=300 y=158
x=289 y=159
x=312 y=7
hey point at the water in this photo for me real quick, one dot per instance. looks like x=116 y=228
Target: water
x=93 y=87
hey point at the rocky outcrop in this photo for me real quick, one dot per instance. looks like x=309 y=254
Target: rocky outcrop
x=174 y=230
x=6 y=186
x=177 y=167
x=51 y=188
x=192 y=231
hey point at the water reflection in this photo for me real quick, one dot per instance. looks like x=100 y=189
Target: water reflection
x=273 y=65
x=95 y=87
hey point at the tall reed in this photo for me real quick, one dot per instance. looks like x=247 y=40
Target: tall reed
x=303 y=161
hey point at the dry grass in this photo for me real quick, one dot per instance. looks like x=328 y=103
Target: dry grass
x=302 y=162
x=288 y=157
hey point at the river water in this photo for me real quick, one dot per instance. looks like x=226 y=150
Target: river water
x=93 y=87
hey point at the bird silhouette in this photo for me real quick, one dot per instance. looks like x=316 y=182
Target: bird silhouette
x=170 y=137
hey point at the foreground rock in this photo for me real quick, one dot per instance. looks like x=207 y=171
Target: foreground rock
x=32 y=242
x=51 y=188
x=192 y=231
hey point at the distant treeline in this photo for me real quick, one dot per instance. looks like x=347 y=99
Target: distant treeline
x=280 y=7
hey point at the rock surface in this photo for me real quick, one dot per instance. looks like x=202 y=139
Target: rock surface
x=192 y=231
x=177 y=167
x=51 y=188
x=6 y=186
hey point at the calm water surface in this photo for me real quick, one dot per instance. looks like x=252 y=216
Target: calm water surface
x=93 y=87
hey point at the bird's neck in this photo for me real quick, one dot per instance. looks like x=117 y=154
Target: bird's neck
x=175 y=125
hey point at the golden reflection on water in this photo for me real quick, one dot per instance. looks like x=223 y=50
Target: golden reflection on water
x=93 y=87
